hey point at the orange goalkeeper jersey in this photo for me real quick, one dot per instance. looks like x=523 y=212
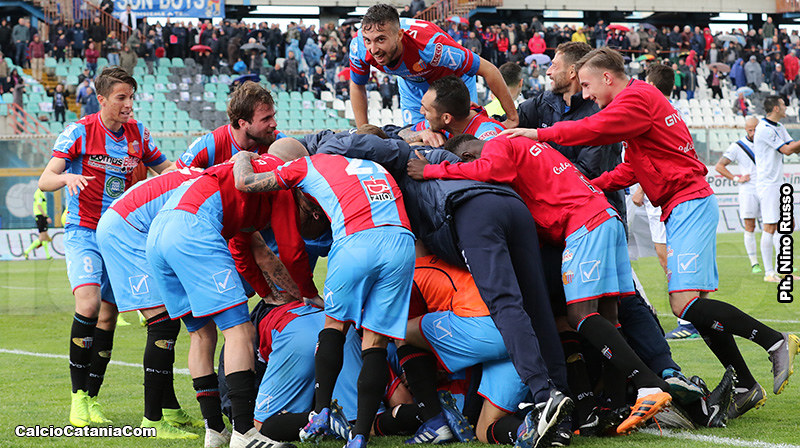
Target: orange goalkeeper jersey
x=445 y=287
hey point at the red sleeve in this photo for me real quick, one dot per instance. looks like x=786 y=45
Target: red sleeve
x=291 y=247
x=291 y=174
x=628 y=116
x=620 y=177
x=246 y=264
x=493 y=166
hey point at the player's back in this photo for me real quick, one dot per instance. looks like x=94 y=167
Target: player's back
x=768 y=137
x=356 y=194
x=311 y=321
x=140 y=204
x=445 y=287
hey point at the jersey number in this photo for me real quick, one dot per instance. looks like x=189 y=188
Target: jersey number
x=354 y=168
x=417 y=23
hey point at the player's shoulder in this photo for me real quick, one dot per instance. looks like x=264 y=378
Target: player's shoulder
x=69 y=136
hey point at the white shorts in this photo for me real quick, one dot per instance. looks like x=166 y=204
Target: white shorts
x=658 y=232
x=748 y=204
x=769 y=198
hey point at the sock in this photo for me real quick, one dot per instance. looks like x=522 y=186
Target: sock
x=750 y=247
x=615 y=387
x=727 y=352
x=327 y=365
x=503 y=431
x=34 y=245
x=724 y=317
x=420 y=368
x=577 y=376
x=767 y=255
x=80 y=350
x=242 y=393
x=371 y=384
x=101 y=355
x=402 y=420
x=46 y=245
x=207 y=389
x=605 y=337
x=159 y=356
x=284 y=427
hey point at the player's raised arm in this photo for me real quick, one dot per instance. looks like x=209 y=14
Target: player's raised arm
x=247 y=180
x=358 y=99
x=54 y=177
x=499 y=88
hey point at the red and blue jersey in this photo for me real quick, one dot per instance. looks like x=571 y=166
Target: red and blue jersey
x=428 y=54
x=277 y=319
x=216 y=147
x=356 y=194
x=90 y=149
x=140 y=204
x=481 y=126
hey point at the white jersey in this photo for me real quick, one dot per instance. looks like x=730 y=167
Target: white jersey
x=768 y=139
x=741 y=152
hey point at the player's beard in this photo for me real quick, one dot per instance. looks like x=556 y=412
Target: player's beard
x=393 y=56
x=264 y=141
x=560 y=84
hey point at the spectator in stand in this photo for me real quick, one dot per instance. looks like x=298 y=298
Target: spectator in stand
x=675 y=42
x=330 y=63
x=128 y=19
x=713 y=54
x=406 y=12
x=36 y=53
x=502 y=47
x=91 y=58
x=777 y=80
x=89 y=103
x=60 y=103
x=312 y=53
x=208 y=65
x=97 y=34
x=417 y=6
x=277 y=78
x=740 y=107
x=714 y=82
x=291 y=70
x=489 y=39
x=579 y=36
x=387 y=91
x=240 y=67
x=85 y=75
x=111 y=47
x=60 y=46
x=472 y=43
x=21 y=36
x=753 y=73
x=676 y=90
x=537 y=45
x=128 y=59
x=3 y=67
x=77 y=40
x=318 y=81
x=651 y=46
x=791 y=65
x=6 y=43
x=302 y=82
x=599 y=34
x=515 y=56
x=342 y=88
x=768 y=33
x=10 y=82
x=634 y=39
x=690 y=82
x=107 y=6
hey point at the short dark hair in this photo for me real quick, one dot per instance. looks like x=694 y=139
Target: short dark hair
x=661 y=76
x=573 y=51
x=452 y=96
x=380 y=14
x=771 y=102
x=453 y=144
x=245 y=99
x=111 y=76
x=605 y=59
x=512 y=73
x=371 y=129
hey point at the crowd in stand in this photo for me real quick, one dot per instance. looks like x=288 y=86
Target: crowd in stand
x=307 y=58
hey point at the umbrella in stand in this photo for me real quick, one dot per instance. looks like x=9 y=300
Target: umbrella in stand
x=459 y=20
x=728 y=38
x=345 y=73
x=253 y=46
x=724 y=68
x=648 y=26
x=746 y=91
x=540 y=59
x=251 y=77
x=200 y=48
x=618 y=27
x=645 y=57
x=351 y=21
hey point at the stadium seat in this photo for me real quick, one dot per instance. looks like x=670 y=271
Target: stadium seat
x=327 y=96
x=308 y=96
x=178 y=62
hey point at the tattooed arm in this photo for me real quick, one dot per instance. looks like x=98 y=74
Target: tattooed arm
x=272 y=268
x=247 y=180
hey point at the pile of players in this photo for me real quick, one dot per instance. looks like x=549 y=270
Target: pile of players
x=518 y=287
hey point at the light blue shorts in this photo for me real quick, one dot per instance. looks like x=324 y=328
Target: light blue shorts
x=692 y=245
x=84 y=263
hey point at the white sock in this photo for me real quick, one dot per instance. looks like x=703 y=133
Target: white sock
x=750 y=247
x=766 y=253
x=645 y=391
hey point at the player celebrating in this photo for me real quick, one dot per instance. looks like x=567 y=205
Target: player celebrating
x=40 y=212
x=371 y=268
x=94 y=158
x=210 y=294
x=741 y=152
x=771 y=141
x=252 y=128
x=418 y=52
x=662 y=159
x=446 y=108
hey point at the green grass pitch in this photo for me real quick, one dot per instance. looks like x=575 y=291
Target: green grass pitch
x=35 y=316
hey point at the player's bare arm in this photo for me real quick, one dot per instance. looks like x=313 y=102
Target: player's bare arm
x=722 y=168
x=272 y=268
x=358 y=99
x=53 y=177
x=164 y=166
x=416 y=167
x=247 y=180
x=790 y=148
x=494 y=80
x=521 y=132
x=425 y=136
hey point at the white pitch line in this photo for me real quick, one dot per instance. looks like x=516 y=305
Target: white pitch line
x=727 y=441
x=53 y=355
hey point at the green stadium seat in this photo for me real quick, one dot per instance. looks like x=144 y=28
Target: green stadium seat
x=156 y=116
x=162 y=79
x=320 y=114
x=143 y=115
x=177 y=62
x=76 y=62
x=8 y=98
x=283 y=96
x=163 y=70
x=50 y=62
x=331 y=123
x=221 y=105
x=295 y=96
x=319 y=124
x=62 y=71
x=165 y=63
x=140 y=63
x=210 y=87
x=308 y=96
x=71 y=116
x=138 y=71
x=306 y=114
x=168 y=126
x=3 y=109
x=148 y=80
x=170 y=114
x=71 y=80
x=170 y=105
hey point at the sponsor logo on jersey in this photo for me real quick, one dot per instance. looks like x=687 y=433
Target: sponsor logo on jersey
x=566 y=256
x=83 y=342
x=378 y=190
x=419 y=66
x=561 y=167
x=120 y=165
x=689 y=147
x=488 y=135
x=673 y=119
x=165 y=344
x=567 y=277
x=437 y=54
x=535 y=150
x=115 y=187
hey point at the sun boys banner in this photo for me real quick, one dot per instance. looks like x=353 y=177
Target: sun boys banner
x=173 y=8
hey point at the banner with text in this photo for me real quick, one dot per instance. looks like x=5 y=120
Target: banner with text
x=172 y=8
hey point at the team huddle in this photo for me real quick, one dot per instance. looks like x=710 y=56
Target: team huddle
x=482 y=290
